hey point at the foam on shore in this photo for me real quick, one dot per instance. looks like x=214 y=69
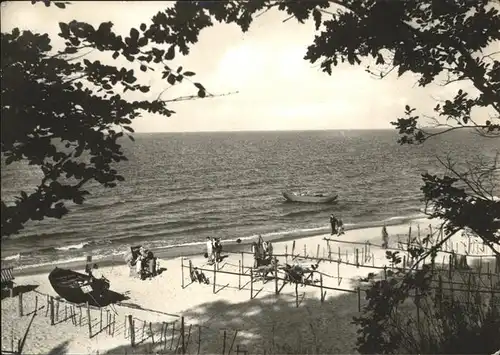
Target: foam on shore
x=198 y=248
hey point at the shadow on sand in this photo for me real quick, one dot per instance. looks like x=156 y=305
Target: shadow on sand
x=267 y=324
x=61 y=349
x=111 y=297
x=18 y=290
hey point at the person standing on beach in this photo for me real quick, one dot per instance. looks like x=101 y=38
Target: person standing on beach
x=340 y=227
x=385 y=237
x=210 y=249
x=333 y=223
x=217 y=249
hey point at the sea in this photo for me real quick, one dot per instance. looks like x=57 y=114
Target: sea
x=180 y=188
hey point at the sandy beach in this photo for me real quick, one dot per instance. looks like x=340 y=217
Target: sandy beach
x=228 y=319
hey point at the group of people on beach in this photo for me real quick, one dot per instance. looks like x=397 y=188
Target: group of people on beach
x=262 y=252
x=214 y=250
x=143 y=261
x=337 y=225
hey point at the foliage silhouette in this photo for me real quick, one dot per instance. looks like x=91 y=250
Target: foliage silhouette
x=65 y=114
x=432 y=39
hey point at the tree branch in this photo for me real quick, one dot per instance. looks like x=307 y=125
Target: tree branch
x=195 y=97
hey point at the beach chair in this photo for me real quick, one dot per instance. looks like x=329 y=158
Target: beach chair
x=8 y=279
x=136 y=251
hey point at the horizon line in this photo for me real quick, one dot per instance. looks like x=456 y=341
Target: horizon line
x=271 y=130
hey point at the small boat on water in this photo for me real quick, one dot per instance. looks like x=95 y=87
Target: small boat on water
x=77 y=287
x=316 y=198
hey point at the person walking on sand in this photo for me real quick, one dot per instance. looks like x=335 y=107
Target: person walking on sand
x=385 y=237
x=333 y=223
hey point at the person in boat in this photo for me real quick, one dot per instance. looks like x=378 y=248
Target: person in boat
x=385 y=237
x=95 y=273
x=333 y=224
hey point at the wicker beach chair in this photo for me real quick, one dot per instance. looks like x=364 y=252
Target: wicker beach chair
x=7 y=278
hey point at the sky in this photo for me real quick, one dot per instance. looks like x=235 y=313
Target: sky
x=277 y=89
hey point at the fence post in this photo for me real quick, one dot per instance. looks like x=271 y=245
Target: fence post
x=108 y=321
x=232 y=343
x=182 y=335
x=172 y=339
x=215 y=275
x=199 y=338
x=359 y=299
x=317 y=252
x=240 y=271
x=182 y=271
x=48 y=306
x=251 y=283
x=321 y=287
x=164 y=334
x=409 y=242
x=276 y=289
x=89 y=320
x=73 y=315
x=450 y=265
x=286 y=253
x=338 y=272
x=357 y=258
x=224 y=343
x=51 y=310
x=131 y=328
x=296 y=294
x=20 y=304
x=57 y=310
